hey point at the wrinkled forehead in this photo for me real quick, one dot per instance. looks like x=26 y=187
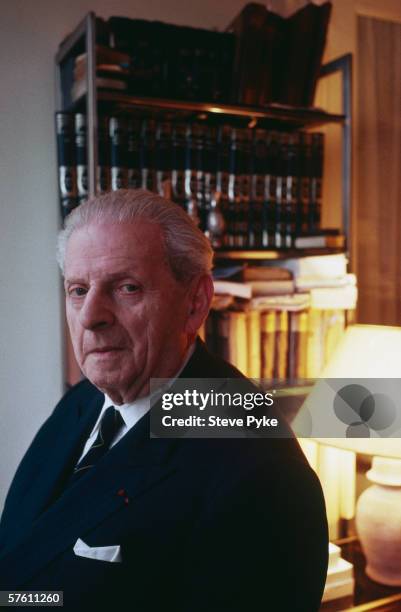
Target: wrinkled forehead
x=139 y=242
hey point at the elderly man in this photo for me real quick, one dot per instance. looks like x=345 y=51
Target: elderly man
x=116 y=519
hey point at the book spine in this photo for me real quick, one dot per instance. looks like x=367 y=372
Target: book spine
x=234 y=190
x=118 y=153
x=244 y=226
x=146 y=155
x=297 y=345
x=103 y=168
x=316 y=180
x=254 y=344
x=222 y=179
x=210 y=168
x=163 y=162
x=291 y=189
x=178 y=165
x=268 y=343
x=133 y=164
x=280 y=203
x=281 y=352
x=198 y=135
x=223 y=327
x=81 y=158
x=270 y=191
x=258 y=156
x=66 y=162
x=190 y=170
x=305 y=179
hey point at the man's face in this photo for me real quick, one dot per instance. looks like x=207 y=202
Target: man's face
x=126 y=313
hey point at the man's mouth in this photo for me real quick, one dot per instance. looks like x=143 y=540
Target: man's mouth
x=105 y=350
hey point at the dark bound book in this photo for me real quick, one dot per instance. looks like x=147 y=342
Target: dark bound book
x=81 y=157
x=67 y=182
x=253 y=56
x=118 y=148
x=133 y=145
x=302 y=53
x=103 y=165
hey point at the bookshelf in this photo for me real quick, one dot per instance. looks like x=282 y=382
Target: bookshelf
x=95 y=102
x=272 y=116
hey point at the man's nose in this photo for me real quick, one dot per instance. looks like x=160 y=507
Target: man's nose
x=96 y=311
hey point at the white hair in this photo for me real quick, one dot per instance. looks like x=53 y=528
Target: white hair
x=188 y=251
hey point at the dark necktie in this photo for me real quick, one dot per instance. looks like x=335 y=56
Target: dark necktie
x=110 y=424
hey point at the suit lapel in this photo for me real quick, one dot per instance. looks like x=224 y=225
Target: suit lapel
x=133 y=465
x=66 y=450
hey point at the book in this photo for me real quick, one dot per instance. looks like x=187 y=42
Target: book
x=134 y=178
x=328 y=298
x=340 y=579
x=163 y=155
x=103 y=154
x=253 y=320
x=302 y=45
x=80 y=157
x=147 y=155
x=79 y=87
x=105 y=55
x=67 y=181
x=280 y=372
x=241 y=290
x=297 y=345
x=178 y=163
x=266 y=273
x=323 y=266
x=221 y=302
x=237 y=341
x=223 y=335
x=252 y=74
x=257 y=170
x=290 y=303
x=315 y=182
x=118 y=154
x=268 y=343
x=306 y=283
x=320 y=240
x=271 y=287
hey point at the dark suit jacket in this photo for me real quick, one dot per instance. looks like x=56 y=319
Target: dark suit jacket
x=207 y=525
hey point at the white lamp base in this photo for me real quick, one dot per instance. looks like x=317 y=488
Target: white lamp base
x=378 y=522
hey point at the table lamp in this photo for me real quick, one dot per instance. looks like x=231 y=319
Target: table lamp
x=374 y=352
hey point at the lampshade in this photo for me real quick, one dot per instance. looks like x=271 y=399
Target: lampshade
x=366 y=351
x=384 y=447
x=365 y=368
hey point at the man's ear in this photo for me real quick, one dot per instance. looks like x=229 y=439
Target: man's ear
x=200 y=298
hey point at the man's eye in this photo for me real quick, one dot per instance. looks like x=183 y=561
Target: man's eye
x=129 y=288
x=77 y=291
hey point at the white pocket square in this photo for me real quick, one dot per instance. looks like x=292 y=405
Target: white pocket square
x=100 y=553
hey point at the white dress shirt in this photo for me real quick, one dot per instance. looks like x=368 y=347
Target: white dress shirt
x=130 y=413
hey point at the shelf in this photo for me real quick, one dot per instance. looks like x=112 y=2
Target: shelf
x=242 y=254
x=278 y=115
x=296 y=117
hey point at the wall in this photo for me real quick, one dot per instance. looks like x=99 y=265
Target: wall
x=30 y=321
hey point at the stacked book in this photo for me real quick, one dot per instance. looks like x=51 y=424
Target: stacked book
x=340 y=579
x=282 y=323
x=112 y=73
x=269 y=183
